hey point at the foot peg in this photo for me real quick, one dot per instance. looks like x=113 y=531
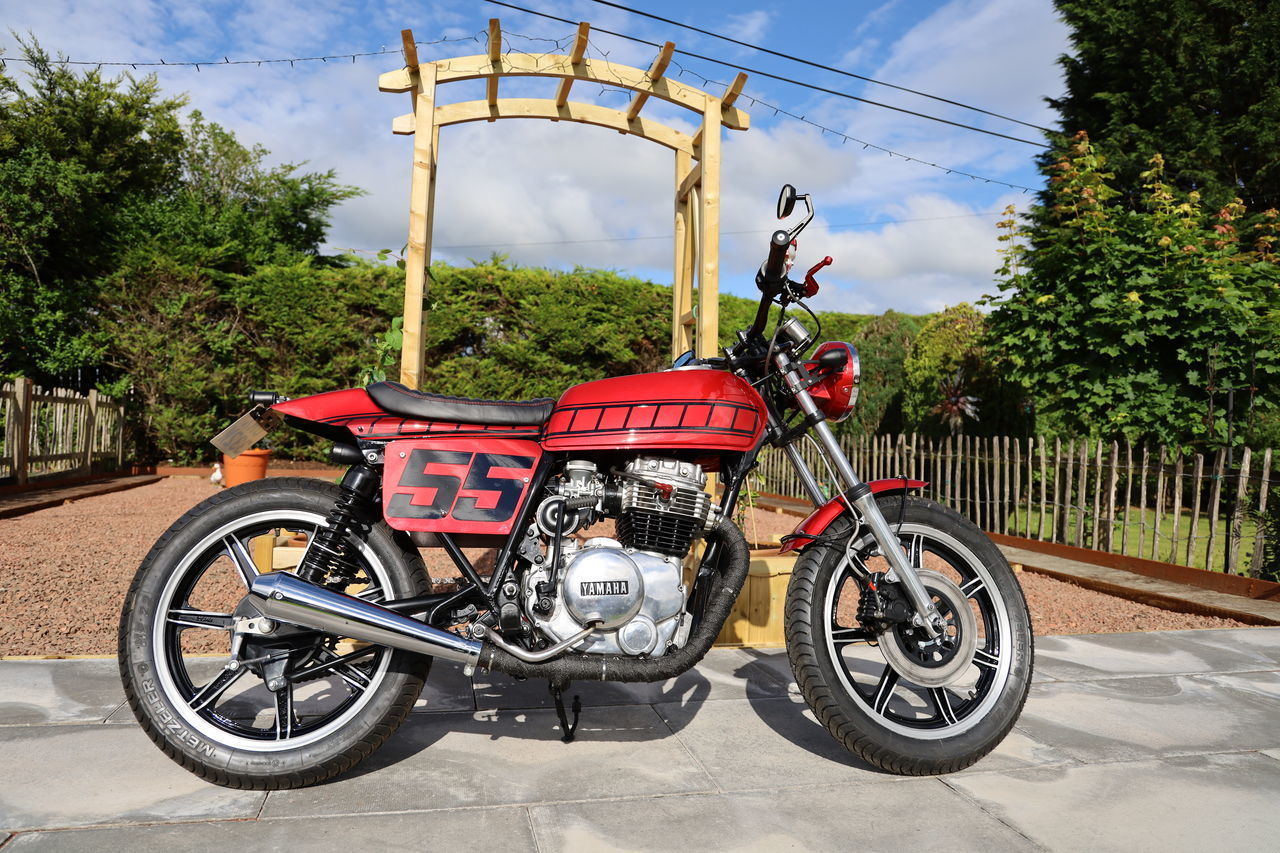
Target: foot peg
x=557 y=693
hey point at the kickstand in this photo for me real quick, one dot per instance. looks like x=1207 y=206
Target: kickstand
x=557 y=693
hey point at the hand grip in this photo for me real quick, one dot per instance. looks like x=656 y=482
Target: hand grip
x=774 y=270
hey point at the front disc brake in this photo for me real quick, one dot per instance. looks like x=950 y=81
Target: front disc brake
x=937 y=661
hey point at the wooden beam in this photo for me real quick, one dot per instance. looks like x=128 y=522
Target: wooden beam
x=592 y=70
x=691 y=179
x=656 y=70
x=495 y=59
x=447 y=114
x=734 y=90
x=575 y=58
x=411 y=62
x=682 y=280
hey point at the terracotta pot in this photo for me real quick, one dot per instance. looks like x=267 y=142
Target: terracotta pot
x=250 y=465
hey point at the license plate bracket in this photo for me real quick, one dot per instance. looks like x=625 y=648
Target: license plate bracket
x=246 y=431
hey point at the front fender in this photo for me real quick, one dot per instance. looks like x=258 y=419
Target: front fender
x=822 y=517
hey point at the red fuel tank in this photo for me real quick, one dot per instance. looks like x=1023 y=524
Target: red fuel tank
x=686 y=408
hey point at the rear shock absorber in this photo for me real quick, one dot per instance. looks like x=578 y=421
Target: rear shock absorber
x=326 y=561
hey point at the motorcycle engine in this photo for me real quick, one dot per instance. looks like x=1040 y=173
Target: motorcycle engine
x=631 y=587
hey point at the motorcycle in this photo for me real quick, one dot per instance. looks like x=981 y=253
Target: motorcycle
x=281 y=630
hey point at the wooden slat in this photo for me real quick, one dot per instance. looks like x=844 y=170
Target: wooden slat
x=1196 y=476
x=1235 y=532
x=1096 y=536
x=1177 y=506
x=1082 y=494
x=1259 y=539
x=691 y=180
x=575 y=58
x=1215 y=502
x=1128 y=496
x=495 y=60
x=1155 y=536
x=656 y=72
x=1142 y=501
x=1111 y=496
x=1044 y=488
x=734 y=89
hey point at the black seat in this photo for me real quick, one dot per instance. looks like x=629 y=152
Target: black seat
x=400 y=400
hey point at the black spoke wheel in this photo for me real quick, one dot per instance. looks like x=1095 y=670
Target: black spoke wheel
x=294 y=706
x=899 y=699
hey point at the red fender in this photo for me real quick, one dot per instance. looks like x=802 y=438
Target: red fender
x=820 y=519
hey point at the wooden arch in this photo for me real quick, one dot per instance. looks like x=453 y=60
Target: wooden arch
x=697 y=179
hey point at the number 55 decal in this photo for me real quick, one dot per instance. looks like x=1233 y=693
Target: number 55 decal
x=434 y=485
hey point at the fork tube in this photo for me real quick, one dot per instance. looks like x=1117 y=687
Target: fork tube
x=810 y=483
x=863 y=498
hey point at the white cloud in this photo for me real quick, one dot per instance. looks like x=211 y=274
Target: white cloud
x=748 y=26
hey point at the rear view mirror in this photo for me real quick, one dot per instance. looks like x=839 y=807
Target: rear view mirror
x=786 y=201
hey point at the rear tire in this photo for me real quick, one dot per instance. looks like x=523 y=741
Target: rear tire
x=868 y=703
x=226 y=725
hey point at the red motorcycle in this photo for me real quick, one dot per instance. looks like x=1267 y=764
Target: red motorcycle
x=281 y=630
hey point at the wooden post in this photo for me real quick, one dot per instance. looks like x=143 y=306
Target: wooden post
x=22 y=391
x=1064 y=522
x=1017 y=483
x=495 y=59
x=1177 y=506
x=575 y=58
x=1044 y=487
x=682 y=284
x=1235 y=532
x=708 y=335
x=1215 y=499
x=1111 y=496
x=1155 y=538
x=90 y=429
x=1096 y=538
x=1259 y=540
x=1197 y=475
x=1082 y=494
x=1128 y=496
x=422 y=191
x=1142 y=502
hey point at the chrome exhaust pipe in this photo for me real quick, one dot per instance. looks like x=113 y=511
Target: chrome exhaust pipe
x=289 y=598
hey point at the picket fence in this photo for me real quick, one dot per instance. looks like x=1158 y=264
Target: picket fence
x=55 y=432
x=1151 y=502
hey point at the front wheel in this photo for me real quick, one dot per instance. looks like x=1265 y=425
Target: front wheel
x=882 y=688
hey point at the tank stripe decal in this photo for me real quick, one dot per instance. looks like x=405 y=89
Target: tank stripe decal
x=719 y=417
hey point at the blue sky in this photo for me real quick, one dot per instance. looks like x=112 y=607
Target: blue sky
x=903 y=235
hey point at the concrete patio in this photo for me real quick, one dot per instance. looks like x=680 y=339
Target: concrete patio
x=1164 y=741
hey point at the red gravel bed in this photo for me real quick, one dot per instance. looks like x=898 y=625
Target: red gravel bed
x=64 y=572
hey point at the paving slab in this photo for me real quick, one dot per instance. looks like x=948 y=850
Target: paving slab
x=919 y=814
x=1089 y=657
x=498 y=829
x=1143 y=717
x=73 y=691
x=59 y=776
x=1202 y=802
x=447 y=689
x=722 y=674
x=491 y=758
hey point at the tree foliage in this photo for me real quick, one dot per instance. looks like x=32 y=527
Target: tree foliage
x=1194 y=79
x=1134 y=322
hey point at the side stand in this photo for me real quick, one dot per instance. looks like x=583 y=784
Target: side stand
x=557 y=693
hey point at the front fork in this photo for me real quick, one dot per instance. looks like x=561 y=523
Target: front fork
x=858 y=495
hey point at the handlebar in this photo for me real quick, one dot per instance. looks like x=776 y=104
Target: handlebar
x=774 y=271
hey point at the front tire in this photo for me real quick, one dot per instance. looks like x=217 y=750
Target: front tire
x=229 y=725
x=865 y=697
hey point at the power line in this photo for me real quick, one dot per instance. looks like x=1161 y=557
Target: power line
x=759 y=73
x=492 y=243
x=820 y=65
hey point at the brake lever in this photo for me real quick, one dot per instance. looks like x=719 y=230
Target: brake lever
x=810 y=285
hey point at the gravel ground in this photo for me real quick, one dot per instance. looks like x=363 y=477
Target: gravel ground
x=64 y=572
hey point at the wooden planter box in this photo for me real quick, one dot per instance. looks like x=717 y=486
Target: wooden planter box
x=756 y=619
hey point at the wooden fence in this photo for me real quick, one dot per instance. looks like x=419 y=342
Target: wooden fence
x=52 y=432
x=1151 y=502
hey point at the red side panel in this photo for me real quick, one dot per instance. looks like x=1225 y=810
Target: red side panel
x=457 y=485
x=820 y=519
x=355 y=411
x=700 y=409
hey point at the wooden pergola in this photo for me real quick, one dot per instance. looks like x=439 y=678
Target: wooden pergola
x=697 y=160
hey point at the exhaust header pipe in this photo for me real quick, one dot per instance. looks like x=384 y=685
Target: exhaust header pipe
x=289 y=598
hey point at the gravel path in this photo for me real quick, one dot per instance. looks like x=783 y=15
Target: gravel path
x=64 y=572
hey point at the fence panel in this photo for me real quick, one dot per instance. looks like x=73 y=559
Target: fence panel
x=52 y=432
x=1142 y=501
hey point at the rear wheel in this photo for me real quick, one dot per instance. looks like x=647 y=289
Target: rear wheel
x=297 y=706
x=900 y=700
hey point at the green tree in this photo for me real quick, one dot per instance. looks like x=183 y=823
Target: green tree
x=882 y=344
x=1194 y=79
x=1131 y=322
